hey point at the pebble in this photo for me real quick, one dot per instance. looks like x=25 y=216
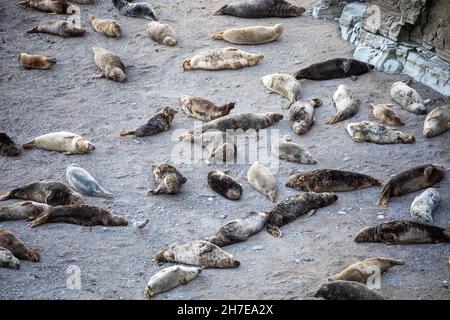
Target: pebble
x=380 y=216
x=342 y=212
x=258 y=247
x=347 y=159
x=222 y=216
x=136 y=141
x=119 y=176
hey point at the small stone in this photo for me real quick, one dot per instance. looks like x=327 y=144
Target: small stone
x=119 y=176
x=222 y=216
x=210 y=199
x=342 y=212
x=380 y=217
x=258 y=247
x=347 y=159
x=307 y=259
x=136 y=141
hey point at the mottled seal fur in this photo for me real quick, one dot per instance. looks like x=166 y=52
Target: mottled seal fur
x=39 y=62
x=367 y=131
x=385 y=114
x=108 y=27
x=261 y=9
x=135 y=10
x=334 y=69
x=110 y=64
x=80 y=180
x=161 y=121
x=284 y=85
x=203 y=109
x=66 y=142
x=424 y=204
x=346 y=290
x=437 y=122
x=8 y=147
x=261 y=179
x=346 y=103
x=250 y=35
x=52 y=6
x=162 y=33
x=225 y=185
x=22 y=211
x=168 y=178
x=62 y=28
x=408 y=98
x=285 y=149
x=8 y=260
x=9 y=241
x=301 y=115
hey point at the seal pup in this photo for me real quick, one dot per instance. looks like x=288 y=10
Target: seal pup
x=363 y=270
x=250 y=35
x=328 y=180
x=262 y=180
x=161 y=121
x=110 y=64
x=108 y=27
x=411 y=180
x=8 y=147
x=225 y=185
x=346 y=290
x=423 y=205
x=83 y=215
x=168 y=178
x=65 y=142
x=81 y=180
x=334 y=69
x=347 y=105
x=408 y=98
x=162 y=33
x=239 y=230
x=301 y=115
x=8 y=240
x=261 y=9
x=28 y=210
x=284 y=85
x=49 y=192
x=7 y=259
x=437 y=121
x=39 y=62
x=285 y=149
x=403 y=232
x=293 y=207
x=170 y=278
x=367 y=131
x=198 y=253
x=62 y=28
x=135 y=10
x=222 y=59
x=52 y=6
x=385 y=114
x=203 y=109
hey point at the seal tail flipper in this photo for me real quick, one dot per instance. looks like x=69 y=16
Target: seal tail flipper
x=317 y=102
x=447 y=235
x=337 y=118
x=299 y=75
x=30 y=144
x=23 y=3
x=396 y=262
x=41 y=219
x=378 y=182
x=221 y=11
x=159 y=257
x=385 y=196
x=274 y=230
x=217 y=35
x=5 y=196
x=217 y=240
x=124 y=133
x=103 y=193
x=34 y=30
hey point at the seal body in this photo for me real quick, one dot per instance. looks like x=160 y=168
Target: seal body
x=52 y=6
x=62 y=28
x=334 y=69
x=262 y=180
x=22 y=211
x=66 y=142
x=162 y=33
x=296 y=206
x=346 y=290
x=110 y=64
x=168 y=178
x=29 y=61
x=7 y=259
x=108 y=27
x=326 y=180
x=161 y=121
x=83 y=215
x=301 y=115
x=225 y=185
x=170 y=278
x=8 y=240
x=8 y=147
x=363 y=270
x=367 y=131
x=198 y=253
x=222 y=59
x=408 y=98
x=284 y=85
x=49 y=192
x=403 y=232
x=411 y=180
x=261 y=9
x=135 y=10
x=250 y=35
x=239 y=230
x=347 y=105
x=423 y=205
x=385 y=114
x=437 y=122
x=81 y=180
x=203 y=109
x=287 y=150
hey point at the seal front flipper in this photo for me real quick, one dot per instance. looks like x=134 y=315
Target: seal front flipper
x=98 y=76
x=103 y=193
x=274 y=230
x=311 y=212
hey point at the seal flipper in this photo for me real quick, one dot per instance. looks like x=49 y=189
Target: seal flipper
x=41 y=219
x=103 y=193
x=217 y=35
x=274 y=230
x=98 y=76
x=385 y=196
x=30 y=144
x=221 y=11
x=124 y=133
x=337 y=118
x=6 y=196
x=34 y=30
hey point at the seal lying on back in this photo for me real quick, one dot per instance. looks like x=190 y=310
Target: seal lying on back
x=411 y=180
x=346 y=290
x=9 y=241
x=110 y=64
x=403 y=232
x=161 y=121
x=52 y=6
x=250 y=35
x=80 y=180
x=108 y=27
x=284 y=85
x=346 y=103
x=22 y=211
x=334 y=69
x=301 y=114
x=162 y=33
x=168 y=178
x=135 y=10
x=39 y=62
x=62 y=28
x=385 y=114
x=363 y=270
x=293 y=207
x=50 y=192
x=327 y=180
x=225 y=185
x=7 y=259
x=261 y=9
x=8 y=147
x=437 y=121
x=408 y=98
x=285 y=149
x=424 y=204
x=198 y=253
x=367 y=131
x=203 y=109
x=83 y=215
x=239 y=230
x=66 y=142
